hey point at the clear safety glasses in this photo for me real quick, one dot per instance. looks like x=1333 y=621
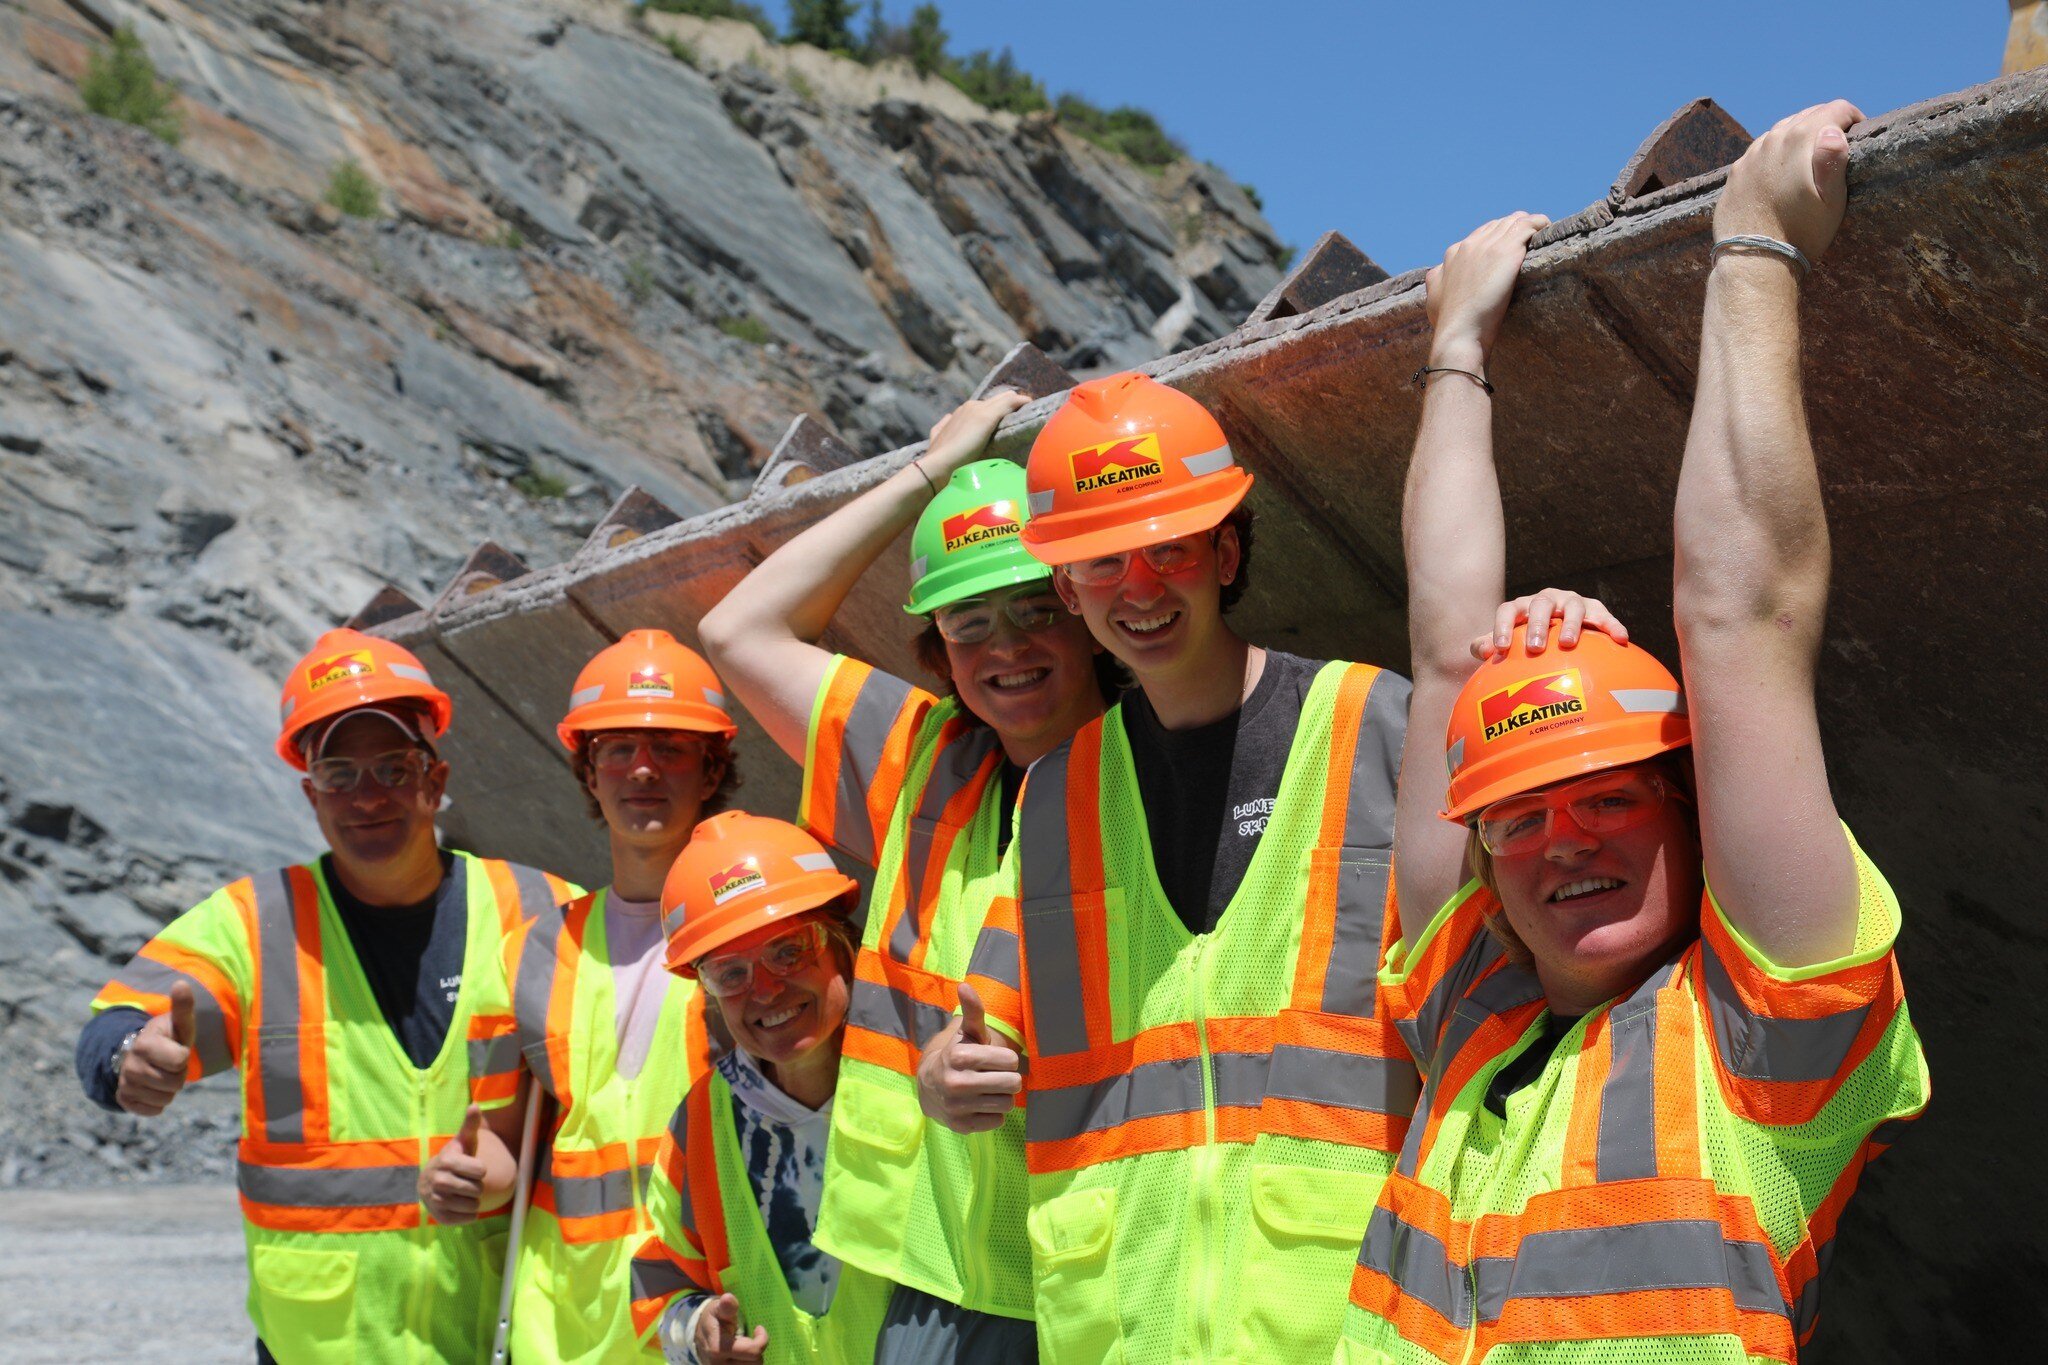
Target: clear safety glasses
x=392 y=770
x=620 y=753
x=973 y=621
x=784 y=955
x=1166 y=558
x=1605 y=803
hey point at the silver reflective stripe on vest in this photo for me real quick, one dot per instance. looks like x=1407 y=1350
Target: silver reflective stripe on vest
x=535 y=895
x=657 y=1277
x=996 y=957
x=1627 y=1142
x=1674 y=1254
x=952 y=771
x=1418 y=1264
x=1239 y=1078
x=1472 y=1006
x=147 y=976
x=1425 y=1032
x=1342 y=1080
x=1352 y=976
x=868 y=724
x=531 y=993
x=1050 y=937
x=1145 y=1091
x=343 y=1187
x=1759 y=1047
x=493 y=1056
x=679 y=1134
x=886 y=1010
x=592 y=1196
x=277 y=1037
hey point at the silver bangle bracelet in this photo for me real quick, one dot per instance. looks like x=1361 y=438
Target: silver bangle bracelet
x=1756 y=241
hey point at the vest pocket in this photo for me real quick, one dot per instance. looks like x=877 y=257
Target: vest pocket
x=1306 y=1228
x=876 y=1134
x=1071 y=1241
x=308 y=1301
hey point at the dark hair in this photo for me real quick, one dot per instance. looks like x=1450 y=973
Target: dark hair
x=717 y=748
x=1241 y=519
x=1111 y=677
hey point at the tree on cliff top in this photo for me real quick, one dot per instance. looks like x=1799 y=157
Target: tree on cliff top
x=826 y=24
x=719 y=9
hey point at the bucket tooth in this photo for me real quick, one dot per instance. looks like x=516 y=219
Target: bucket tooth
x=1028 y=370
x=1699 y=137
x=636 y=513
x=1332 y=268
x=488 y=565
x=807 y=449
x=387 y=604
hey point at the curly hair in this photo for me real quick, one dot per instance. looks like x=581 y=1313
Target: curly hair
x=717 y=749
x=1240 y=519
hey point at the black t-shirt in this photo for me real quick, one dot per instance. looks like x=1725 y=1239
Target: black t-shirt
x=1524 y=1070
x=412 y=955
x=1013 y=786
x=1209 y=791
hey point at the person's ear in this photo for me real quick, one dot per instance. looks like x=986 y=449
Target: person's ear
x=1229 y=554
x=1064 y=586
x=434 y=785
x=306 y=786
x=713 y=772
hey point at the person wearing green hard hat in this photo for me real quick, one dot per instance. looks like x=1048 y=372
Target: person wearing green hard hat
x=921 y=784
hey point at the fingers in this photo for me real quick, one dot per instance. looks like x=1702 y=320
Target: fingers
x=753 y=1346
x=1574 y=617
x=184 y=1026
x=1506 y=617
x=466 y=1136
x=973 y=1016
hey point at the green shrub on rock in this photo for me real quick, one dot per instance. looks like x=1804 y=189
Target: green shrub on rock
x=350 y=189
x=121 y=83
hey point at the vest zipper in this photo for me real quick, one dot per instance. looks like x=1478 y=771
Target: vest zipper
x=424 y=1233
x=1204 y=1182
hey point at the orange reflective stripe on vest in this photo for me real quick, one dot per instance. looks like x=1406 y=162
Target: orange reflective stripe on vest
x=590 y=1190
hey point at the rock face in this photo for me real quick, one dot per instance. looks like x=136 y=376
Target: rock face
x=229 y=413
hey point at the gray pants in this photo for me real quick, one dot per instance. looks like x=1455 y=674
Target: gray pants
x=920 y=1329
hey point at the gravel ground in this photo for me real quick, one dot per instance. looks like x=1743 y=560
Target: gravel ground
x=148 y=1275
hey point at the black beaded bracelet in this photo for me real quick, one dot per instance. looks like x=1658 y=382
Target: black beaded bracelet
x=1421 y=377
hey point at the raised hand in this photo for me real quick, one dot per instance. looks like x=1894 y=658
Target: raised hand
x=962 y=435
x=1570 y=611
x=1793 y=182
x=452 y=1184
x=1468 y=294
x=718 y=1340
x=155 y=1068
x=969 y=1077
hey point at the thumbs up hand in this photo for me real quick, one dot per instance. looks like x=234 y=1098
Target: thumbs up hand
x=718 y=1340
x=452 y=1184
x=154 y=1069
x=969 y=1077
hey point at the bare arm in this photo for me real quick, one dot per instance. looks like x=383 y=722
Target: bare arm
x=762 y=638
x=1752 y=562
x=1455 y=543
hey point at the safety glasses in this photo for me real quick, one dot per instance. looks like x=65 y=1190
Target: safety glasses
x=1167 y=558
x=391 y=771
x=973 y=621
x=783 y=955
x=621 y=753
x=1605 y=803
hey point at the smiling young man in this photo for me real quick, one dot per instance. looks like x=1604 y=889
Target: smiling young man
x=921 y=787
x=1661 y=1026
x=592 y=1016
x=341 y=990
x=1187 y=953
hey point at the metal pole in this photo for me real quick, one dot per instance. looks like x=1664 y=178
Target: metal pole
x=521 y=1185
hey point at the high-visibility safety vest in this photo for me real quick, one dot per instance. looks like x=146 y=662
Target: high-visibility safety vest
x=344 y=1263
x=1208 y=1117
x=906 y=1198
x=709 y=1238
x=1667 y=1190
x=573 y=1298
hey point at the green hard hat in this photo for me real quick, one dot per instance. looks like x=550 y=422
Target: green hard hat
x=966 y=542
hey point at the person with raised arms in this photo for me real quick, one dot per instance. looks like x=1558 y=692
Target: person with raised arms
x=1661 y=1026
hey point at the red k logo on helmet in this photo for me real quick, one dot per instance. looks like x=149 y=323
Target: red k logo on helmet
x=354 y=664
x=649 y=681
x=741 y=876
x=983 y=523
x=1131 y=460
x=1554 y=696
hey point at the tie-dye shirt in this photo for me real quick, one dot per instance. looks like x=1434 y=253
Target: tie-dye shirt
x=784 y=1144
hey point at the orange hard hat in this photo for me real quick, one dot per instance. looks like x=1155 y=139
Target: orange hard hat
x=740 y=873
x=346 y=669
x=646 y=681
x=1526 y=720
x=1127 y=462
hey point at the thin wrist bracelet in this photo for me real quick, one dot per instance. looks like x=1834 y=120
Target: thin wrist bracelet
x=1756 y=241
x=1421 y=377
x=926 y=477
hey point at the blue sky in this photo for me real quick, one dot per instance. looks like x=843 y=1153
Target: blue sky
x=1404 y=125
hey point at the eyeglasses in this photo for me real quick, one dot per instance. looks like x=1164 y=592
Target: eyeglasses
x=1605 y=803
x=620 y=753
x=391 y=771
x=784 y=955
x=1166 y=558
x=974 y=620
